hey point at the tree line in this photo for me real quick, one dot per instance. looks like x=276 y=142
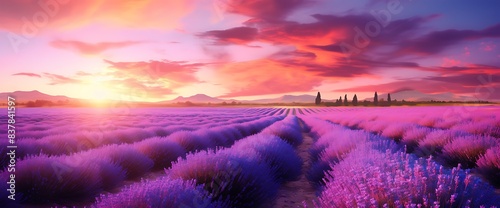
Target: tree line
x=355 y=102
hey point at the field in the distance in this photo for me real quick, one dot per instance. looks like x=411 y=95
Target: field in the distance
x=445 y=156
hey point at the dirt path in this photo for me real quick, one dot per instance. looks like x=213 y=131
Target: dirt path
x=293 y=193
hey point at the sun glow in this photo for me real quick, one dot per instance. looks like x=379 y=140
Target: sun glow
x=97 y=92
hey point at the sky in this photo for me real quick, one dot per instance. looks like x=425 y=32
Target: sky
x=153 y=50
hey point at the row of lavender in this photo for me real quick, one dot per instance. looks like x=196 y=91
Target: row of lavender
x=473 y=120
x=82 y=174
x=70 y=137
x=51 y=122
x=47 y=123
x=247 y=174
x=354 y=168
x=472 y=142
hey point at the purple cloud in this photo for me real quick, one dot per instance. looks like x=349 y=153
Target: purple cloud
x=237 y=35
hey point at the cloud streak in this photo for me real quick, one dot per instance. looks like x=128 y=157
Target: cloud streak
x=237 y=35
x=56 y=79
x=27 y=74
x=91 y=48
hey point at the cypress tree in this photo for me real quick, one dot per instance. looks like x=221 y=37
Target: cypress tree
x=318 y=99
x=375 y=99
x=355 y=100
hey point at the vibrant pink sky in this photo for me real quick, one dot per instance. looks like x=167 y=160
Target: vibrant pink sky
x=152 y=50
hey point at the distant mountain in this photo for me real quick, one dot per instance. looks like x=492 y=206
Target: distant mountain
x=198 y=98
x=414 y=95
x=25 y=96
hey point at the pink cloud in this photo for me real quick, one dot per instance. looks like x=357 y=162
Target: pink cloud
x=465 y=68
x=265 y=77
x=81 y=73
x=271 y=10
x=27 y=74
x=133 y=86
x=91 y=48
x=488 y=46
x=17 y=16
x=466 y=51
x=175 y=73
x=449 y=62
x=56 y=79
x=136 y=88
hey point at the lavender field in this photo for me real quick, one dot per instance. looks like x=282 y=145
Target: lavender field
x=256 y=157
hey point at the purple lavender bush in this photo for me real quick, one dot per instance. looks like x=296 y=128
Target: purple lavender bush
x=161 y=151
x=466 y=150
x=162 y=192
x=368 y=178
x=489 y=165
x=275 y=152
x=44 y=179
x=288 y=130
x=229 y=175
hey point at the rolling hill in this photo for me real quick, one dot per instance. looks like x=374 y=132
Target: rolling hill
x=25 y=96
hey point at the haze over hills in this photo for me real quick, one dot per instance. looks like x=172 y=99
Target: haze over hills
x=198 y=98
x=25 y=96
